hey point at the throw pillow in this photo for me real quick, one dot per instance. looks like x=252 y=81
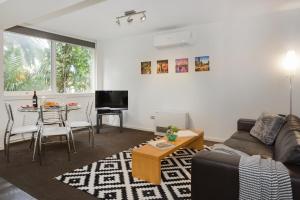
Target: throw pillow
x=287 y=145
x=267 y=127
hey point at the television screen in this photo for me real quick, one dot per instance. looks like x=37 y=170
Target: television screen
x=111 y=99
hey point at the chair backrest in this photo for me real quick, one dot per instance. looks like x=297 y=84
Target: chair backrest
x=28 y=120
x=88 y=110
x=10 y=121
x=51 y=116
x=9 y=112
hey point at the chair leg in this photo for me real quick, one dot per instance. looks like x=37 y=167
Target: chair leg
x=31 y=141
x=93 y=137
x=4 y=147
x=34 y=147
x=73 y=141
x=40 y=149
x=89 y=135
x=43 y=146
x=69 y=148
x=4 y=143
x=7 y=150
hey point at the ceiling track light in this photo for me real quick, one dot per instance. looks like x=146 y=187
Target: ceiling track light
x=129 y=15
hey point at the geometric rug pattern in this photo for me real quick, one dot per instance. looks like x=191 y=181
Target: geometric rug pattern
x=111 y=178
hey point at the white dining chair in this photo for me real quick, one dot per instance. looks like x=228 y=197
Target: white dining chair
x=87 y=123
x=12 y=131
x=51 y=130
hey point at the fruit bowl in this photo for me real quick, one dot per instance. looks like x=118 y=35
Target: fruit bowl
x=51 y=104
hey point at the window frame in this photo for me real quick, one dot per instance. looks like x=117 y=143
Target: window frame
x=53 y=89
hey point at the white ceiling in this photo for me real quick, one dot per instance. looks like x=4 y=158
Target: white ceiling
x=97 y=20
x=14 y=12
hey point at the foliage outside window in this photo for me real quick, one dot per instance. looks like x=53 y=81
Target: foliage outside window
x=72 y=67
x=28 y=65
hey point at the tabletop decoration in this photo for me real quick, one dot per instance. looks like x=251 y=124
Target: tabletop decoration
x=171 y=133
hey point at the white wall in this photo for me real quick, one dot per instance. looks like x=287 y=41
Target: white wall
x=245 y=77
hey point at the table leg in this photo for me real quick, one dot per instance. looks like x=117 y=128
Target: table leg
x=101 y=121
x=146 y=168
x=121 y=121
x=97 y=121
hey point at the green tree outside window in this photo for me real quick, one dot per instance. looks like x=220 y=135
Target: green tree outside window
x=27 y=65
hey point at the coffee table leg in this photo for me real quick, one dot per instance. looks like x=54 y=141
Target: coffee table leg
x=197 y=144
x=146 y=168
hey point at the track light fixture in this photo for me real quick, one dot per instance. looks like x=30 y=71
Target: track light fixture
x=129 y=15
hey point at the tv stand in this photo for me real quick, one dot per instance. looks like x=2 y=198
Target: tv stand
x=109 y=111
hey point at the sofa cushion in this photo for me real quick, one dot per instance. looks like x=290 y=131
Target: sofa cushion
x=243 y=135
x=267 y=127
x=251 y=148
x=287 y=145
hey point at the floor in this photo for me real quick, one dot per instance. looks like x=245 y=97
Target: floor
x=38 y=180
x=11 y=192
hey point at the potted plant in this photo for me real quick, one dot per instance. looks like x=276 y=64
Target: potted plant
x=171 y=133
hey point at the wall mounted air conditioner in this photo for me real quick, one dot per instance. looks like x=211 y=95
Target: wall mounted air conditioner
x=164 y=119
x=172 y=39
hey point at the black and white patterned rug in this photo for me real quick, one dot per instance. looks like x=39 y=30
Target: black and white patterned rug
x=111 y=178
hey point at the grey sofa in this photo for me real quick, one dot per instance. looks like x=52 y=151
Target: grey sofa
x=216 y=175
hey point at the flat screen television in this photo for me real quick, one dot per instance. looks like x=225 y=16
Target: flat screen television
x=111 y=99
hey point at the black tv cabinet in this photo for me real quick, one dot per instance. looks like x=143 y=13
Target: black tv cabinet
x=109 y=111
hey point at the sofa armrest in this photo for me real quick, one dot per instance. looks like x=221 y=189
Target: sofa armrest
x=215 y=176
x=245 y=124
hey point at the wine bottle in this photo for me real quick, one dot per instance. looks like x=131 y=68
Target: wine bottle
x=34 y=100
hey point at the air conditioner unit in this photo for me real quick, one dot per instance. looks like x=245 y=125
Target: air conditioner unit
x=172 y=39
x=164 y=119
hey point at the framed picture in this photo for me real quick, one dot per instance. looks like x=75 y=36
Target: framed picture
x=146 y=67
x=182 y=65
x=162 y=66
x=202 y=63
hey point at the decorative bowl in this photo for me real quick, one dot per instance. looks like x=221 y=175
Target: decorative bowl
x=172 y=137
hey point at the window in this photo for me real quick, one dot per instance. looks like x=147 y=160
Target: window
x=32 y=63
x=27 y=63
x=73 y=67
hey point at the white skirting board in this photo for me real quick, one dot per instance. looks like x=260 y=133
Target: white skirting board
x=213 y=139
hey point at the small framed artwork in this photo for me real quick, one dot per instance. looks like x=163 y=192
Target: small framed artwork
x=202 y=63
x=146 y=67
x=162 y=66
x=182 y=65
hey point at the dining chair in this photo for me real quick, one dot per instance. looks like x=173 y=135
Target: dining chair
x=52 y=116
x=87 y=123
x=48 y=130
x=11 y=130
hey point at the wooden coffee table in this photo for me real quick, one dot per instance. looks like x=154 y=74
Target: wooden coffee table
x=146 y=159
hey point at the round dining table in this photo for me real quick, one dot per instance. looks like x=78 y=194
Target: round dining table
x=48 y=108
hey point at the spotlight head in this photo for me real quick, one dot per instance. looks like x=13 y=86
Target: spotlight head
x=129 y=19
x=118 y=21
x=143 y=18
